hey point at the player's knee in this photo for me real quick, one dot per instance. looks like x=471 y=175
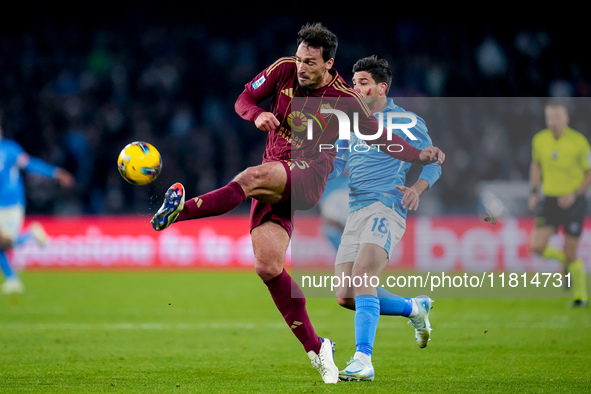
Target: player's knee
x=537 y=247
x=267 y=267
x=251 y=178
x=5 y=244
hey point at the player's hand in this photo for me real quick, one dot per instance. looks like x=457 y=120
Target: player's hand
x=266 y=122
x=532 y=203
x=64 y=178
x=432 y=154
x=410 y=197
x=566 y=201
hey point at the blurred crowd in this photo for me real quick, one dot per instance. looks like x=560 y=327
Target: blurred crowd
x=75 y=94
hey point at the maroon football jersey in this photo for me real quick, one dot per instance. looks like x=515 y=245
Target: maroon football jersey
x=290 y=101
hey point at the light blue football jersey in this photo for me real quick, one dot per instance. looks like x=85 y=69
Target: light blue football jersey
x=373 y=174
x=11 y=183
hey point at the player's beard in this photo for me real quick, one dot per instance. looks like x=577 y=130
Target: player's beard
x=312 y=83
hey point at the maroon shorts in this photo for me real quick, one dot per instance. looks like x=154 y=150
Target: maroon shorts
x=306 y=180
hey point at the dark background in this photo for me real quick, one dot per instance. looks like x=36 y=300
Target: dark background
x=78 y=82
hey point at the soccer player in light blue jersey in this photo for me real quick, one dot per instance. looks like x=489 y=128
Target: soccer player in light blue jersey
x=378 y=204
x=13 y=159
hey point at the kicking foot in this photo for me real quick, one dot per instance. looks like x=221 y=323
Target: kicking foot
x=13 y=286
x=174 y=201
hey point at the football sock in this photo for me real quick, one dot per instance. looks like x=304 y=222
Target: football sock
x=578 y=279
x=23 y=237
x=214 y=203
x=553 y=253
x=394 y=305
x=290 y=301
x=367 y=314
x=7 y=270
x=366 y=359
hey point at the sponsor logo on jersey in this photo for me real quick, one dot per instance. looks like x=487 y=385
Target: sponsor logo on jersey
x=258 y=82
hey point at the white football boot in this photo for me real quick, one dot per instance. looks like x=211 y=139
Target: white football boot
x=357 y=370
x=324 y=361
x=421 y=320
x=174 y=201
x=13 y=286
x=38 y=233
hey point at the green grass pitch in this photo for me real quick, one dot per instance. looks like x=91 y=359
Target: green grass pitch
x=192 y=331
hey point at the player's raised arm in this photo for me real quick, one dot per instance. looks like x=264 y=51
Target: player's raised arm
x=396 y=147
x=247 y=107
x=266 y=121
x=404 y=151
x=432 y=154
x=38 y=166
x=255 y=92
x=262 y=87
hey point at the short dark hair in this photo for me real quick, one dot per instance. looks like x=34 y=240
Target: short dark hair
x=378 y=68
x=317 y=36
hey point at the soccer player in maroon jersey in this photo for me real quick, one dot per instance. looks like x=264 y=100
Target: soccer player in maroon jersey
x=288 y=179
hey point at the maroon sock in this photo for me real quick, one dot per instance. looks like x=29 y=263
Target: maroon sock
x=290 y=301
x=214 y=203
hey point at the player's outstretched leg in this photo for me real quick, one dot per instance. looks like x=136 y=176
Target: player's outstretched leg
x=38 y=233
x=12 y=284
x=216 y=202
x=323 y=361
x=174 y=201
x=420 y=320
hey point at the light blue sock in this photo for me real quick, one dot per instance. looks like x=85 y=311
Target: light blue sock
x=367 y=314
x=25 y=236
x=5 y=267
x=393 y=305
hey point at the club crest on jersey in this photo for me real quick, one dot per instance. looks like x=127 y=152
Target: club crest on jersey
x=300 y=121
x=256 y=84
x=297 y=121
